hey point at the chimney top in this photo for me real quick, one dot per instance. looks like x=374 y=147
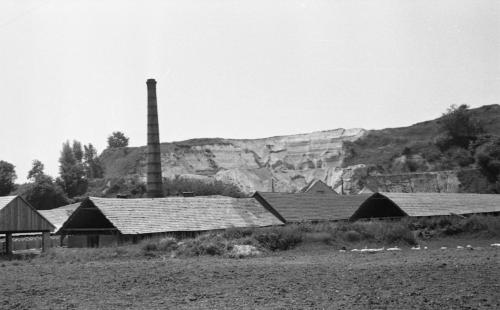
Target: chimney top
x=151 y=81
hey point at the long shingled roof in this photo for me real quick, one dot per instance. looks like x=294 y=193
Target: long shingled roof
x=5 y=200
x=182 y=214
x=59 y=215
x=300 y=207
x=433 y=204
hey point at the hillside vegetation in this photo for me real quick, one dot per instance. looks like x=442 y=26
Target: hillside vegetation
x=288 y=163
x=426 y=147
x=380 y=147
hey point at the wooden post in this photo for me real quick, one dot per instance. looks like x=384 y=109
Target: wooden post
x=61 y=239
x=45 y=241
x=8 y=243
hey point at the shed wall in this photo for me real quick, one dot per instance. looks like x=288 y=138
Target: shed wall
x=18 y=216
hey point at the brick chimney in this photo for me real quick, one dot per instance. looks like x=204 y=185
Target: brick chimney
x=153 y=165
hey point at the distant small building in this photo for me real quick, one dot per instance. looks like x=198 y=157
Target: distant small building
x=309 y=207
x=366 y=190
x=317 y=187
x=111 y=221
x=394 y=205
x=18 y=216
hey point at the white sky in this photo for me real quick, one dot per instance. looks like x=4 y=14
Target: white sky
x=235 y=69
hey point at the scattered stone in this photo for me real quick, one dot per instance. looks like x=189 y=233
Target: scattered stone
x=372 y=250
x=443 y=248
x=495 y=244
x=245 y=250
x=459 y=247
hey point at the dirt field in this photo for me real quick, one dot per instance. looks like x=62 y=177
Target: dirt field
x=312 y=276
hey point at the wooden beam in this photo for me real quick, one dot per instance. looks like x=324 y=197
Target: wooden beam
x=67 y=230
x=45 y=241
x=8 y=243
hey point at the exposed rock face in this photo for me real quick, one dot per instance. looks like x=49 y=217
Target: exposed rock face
x=290 y=161
x=437 y=181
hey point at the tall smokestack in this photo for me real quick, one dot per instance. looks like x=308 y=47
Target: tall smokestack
x=153 y=168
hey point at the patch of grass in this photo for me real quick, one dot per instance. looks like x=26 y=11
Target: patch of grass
x=72 y=255
x=475 y=225
x=279 y=238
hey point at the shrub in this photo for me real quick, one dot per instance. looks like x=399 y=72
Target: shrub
x=167 y=244
x=150 y=246
x=207 y=244
x=352 y=236
x=178 y=185
x=237 y=233
x=279 y=238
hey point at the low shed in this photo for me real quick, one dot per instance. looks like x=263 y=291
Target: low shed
x=109 y=221
x=382 y=205
x=18 y=216
x=309 y=207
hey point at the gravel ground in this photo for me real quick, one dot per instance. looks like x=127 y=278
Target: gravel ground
x=312 y=276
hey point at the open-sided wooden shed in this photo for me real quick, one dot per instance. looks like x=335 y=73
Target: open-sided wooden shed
x=393 y=205
x=18 y=216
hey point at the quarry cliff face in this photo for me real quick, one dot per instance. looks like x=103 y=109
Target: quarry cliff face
x=286 y=163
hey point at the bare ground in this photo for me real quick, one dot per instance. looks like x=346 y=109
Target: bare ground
x=313 y=276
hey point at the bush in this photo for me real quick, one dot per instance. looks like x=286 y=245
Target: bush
x=178 y=185
x=237 y=233
x=352 y=236
x=453 y=225
x=279 y=238
x=167 y=244
x=150 y=246
x=207 y=244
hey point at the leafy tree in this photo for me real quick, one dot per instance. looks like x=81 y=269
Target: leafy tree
x=178 y=185
x=7 y=177
x=488 y=158
x=71 y=172
x=92 y=165
x=117 y=139
x=77 y=151
x=44 y=193
x=36 y=170
x=460 y=129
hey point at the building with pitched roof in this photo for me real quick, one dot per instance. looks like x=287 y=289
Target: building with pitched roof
x=58 y=216
x=308 y=207
x=384 y=205
x=317 y=187
x=107 y=221
x=18 y=216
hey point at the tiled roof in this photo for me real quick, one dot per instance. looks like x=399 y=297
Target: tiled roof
x=5 y=200
x=317 y=186
x=156 y=215
x=432 y=204
x=366 y=190
x=59 y=215
x=298 y=207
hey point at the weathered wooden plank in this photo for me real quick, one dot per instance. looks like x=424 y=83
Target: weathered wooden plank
x=19 y=216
